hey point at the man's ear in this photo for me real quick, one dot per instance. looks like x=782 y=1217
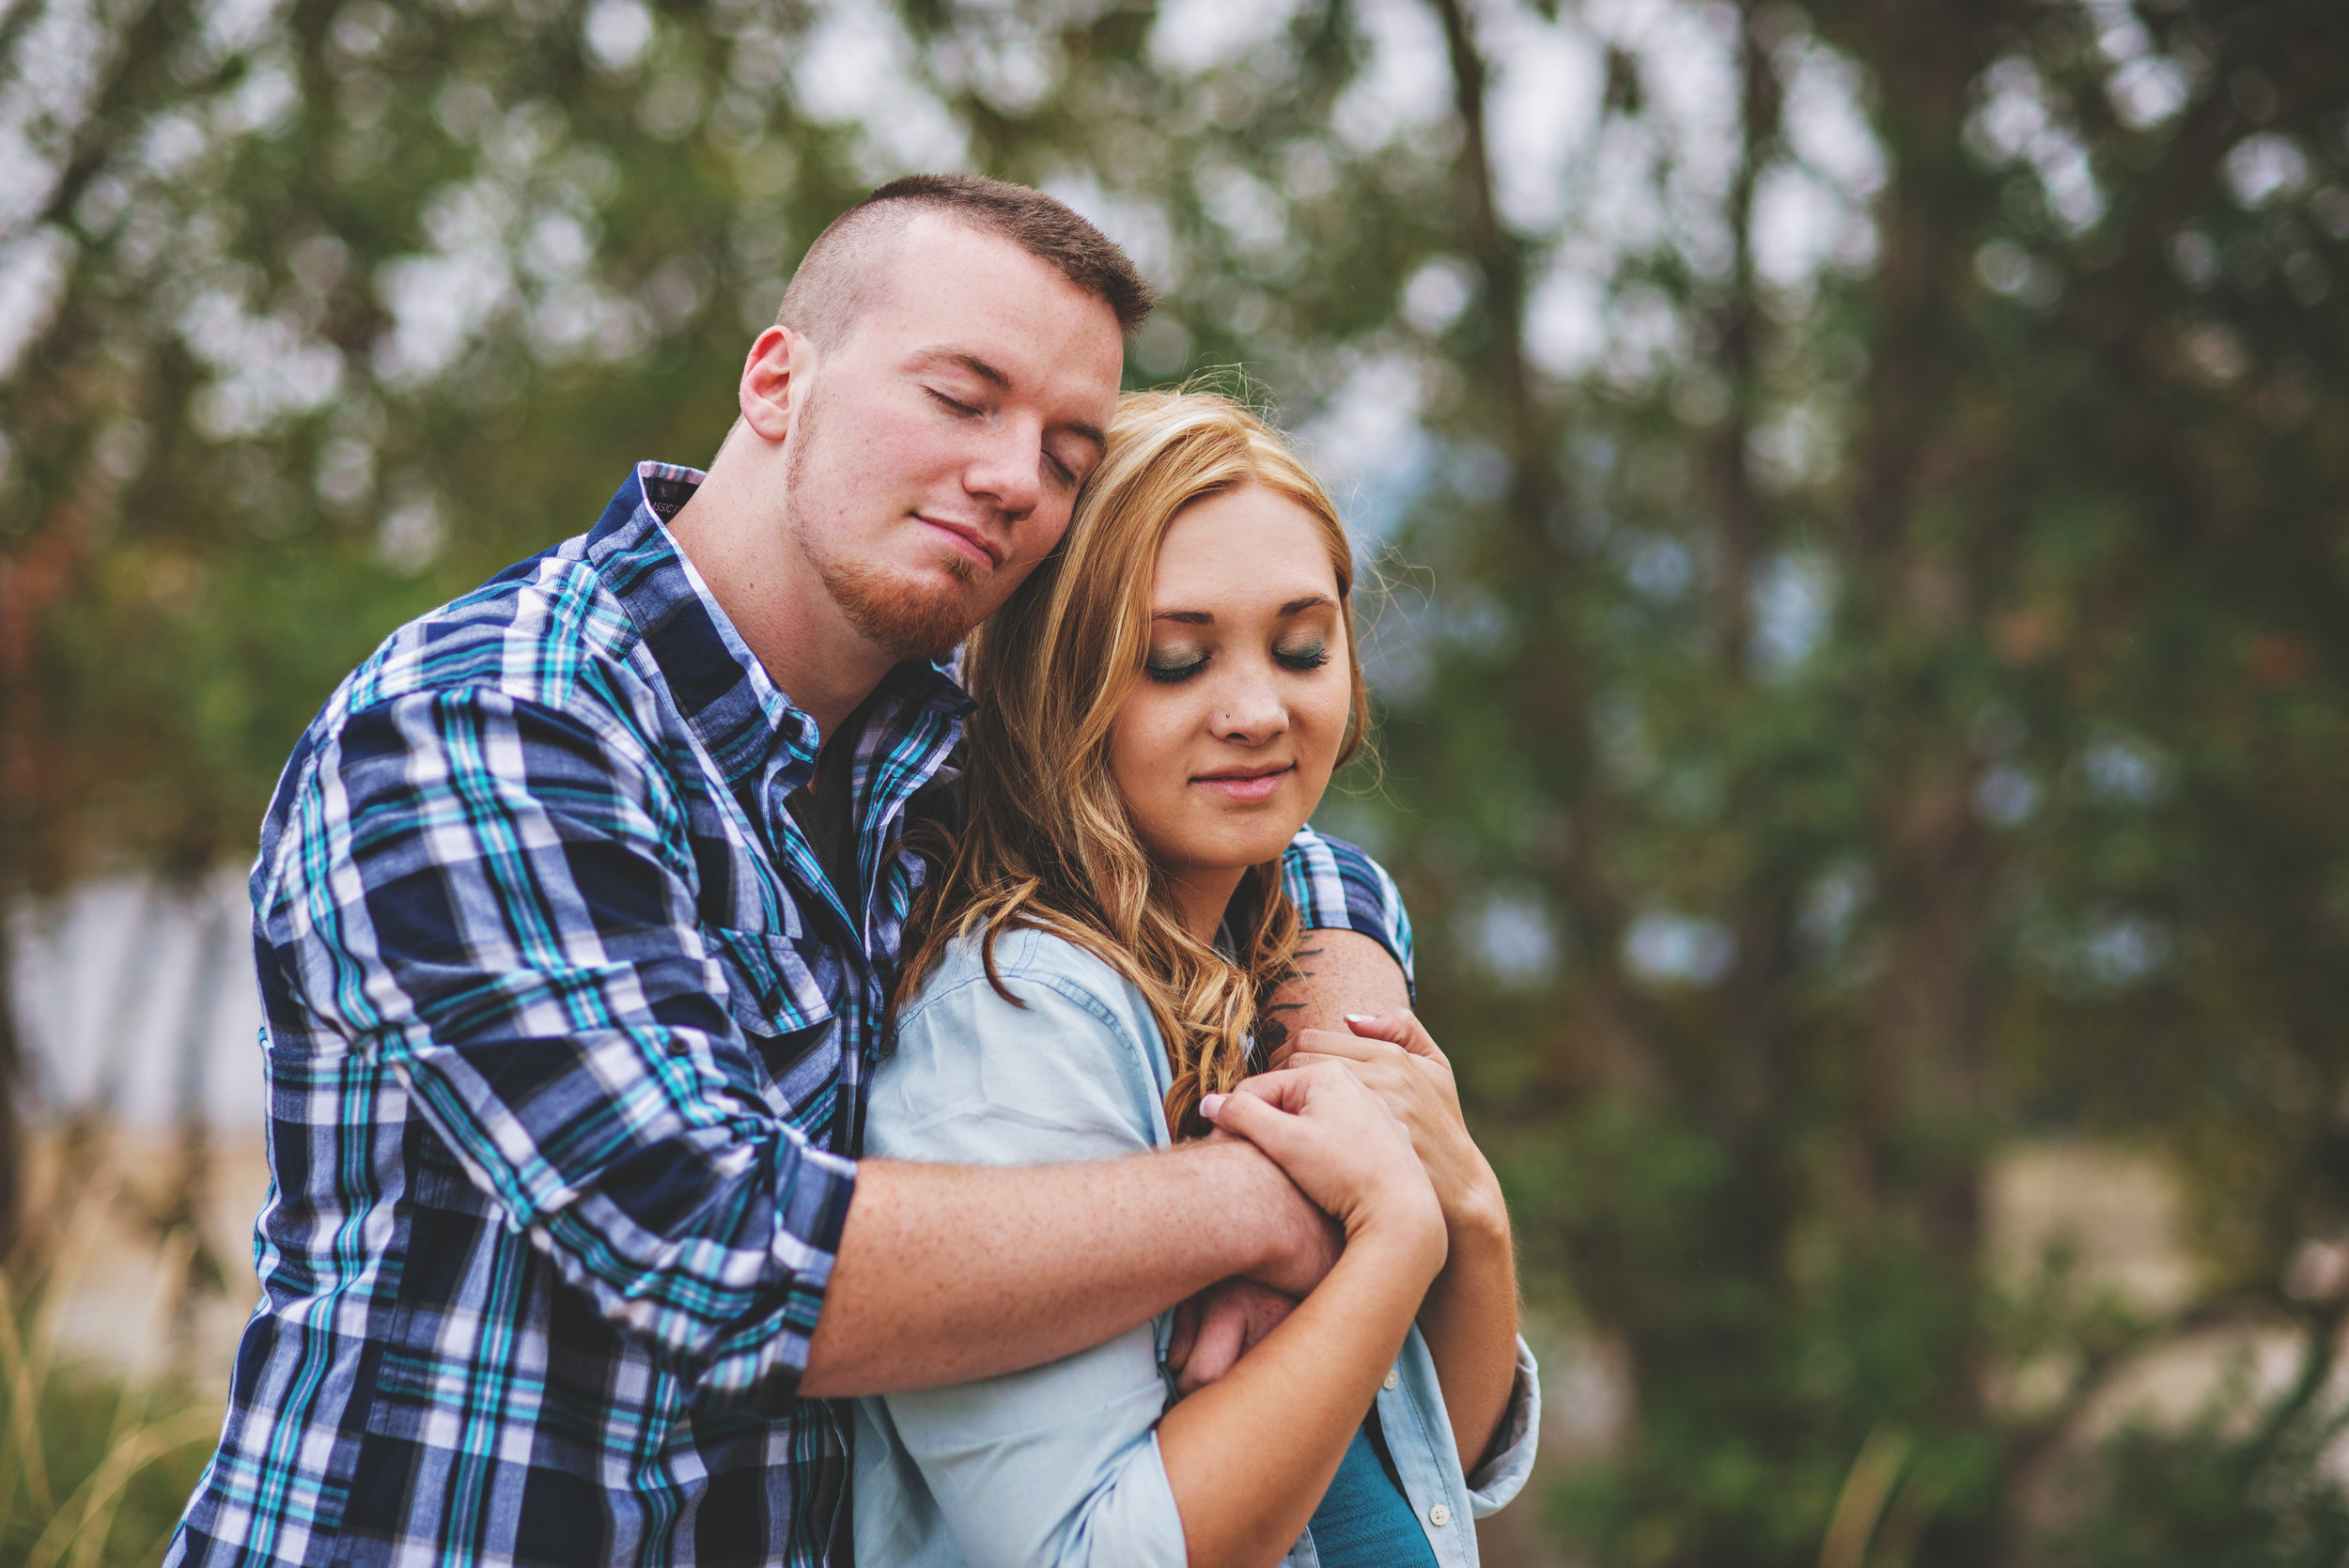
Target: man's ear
x=779 y=361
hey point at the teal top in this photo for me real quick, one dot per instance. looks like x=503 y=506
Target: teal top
x=1364 y=1521
x=1059 y=1465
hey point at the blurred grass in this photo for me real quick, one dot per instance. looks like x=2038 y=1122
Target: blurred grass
x=94 y=1469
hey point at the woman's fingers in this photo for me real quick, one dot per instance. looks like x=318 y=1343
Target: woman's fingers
x=1337 y=1139
x=1326 y=1043
x=1401 y=1027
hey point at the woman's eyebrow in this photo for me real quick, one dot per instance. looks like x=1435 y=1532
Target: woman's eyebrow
x=1294 y=607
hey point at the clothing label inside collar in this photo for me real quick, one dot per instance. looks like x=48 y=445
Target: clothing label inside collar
x=667 y=497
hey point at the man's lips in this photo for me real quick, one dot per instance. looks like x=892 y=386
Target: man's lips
x=1246 y=785
x=965 y=538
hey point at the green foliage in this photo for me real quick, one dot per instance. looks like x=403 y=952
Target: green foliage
x=2212 y=1500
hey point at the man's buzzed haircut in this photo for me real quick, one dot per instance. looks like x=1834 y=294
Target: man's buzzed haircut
x=835 y=279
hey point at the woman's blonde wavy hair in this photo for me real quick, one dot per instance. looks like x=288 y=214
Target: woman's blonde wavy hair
x=1046 y=841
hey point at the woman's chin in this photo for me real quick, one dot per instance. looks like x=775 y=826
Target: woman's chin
x=1224 y=850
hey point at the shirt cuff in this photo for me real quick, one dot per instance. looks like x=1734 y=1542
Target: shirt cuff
x=756 y=1369
x=1495 y=1483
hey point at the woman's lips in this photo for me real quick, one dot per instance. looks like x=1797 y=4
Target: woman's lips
x=1245 y=789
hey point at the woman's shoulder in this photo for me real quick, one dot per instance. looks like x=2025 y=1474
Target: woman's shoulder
x=1062 y=1063
x=1029 y=961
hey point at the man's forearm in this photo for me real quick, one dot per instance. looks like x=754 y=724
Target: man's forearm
x=950 y=1273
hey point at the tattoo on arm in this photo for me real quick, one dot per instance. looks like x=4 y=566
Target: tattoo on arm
x=1272 y=1032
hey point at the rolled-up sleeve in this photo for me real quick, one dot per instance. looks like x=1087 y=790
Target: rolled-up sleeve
x=500 y=912
x=1337 y=886
x=1510 y=1460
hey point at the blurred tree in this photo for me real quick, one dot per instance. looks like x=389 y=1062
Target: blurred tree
x=1870 y=682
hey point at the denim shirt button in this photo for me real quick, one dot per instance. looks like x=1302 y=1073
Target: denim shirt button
x=1440 y=1516
x=1394 y=1381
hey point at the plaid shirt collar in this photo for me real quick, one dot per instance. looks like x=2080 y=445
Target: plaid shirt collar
x=765 y=746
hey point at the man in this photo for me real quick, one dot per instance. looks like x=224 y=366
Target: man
x=573 y=913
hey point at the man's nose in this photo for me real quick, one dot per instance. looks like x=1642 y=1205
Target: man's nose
x=1007 y=470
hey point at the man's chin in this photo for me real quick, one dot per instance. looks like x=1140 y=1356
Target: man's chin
x=913 y=615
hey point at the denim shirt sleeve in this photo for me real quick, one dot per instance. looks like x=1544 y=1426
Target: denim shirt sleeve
x=1510 y=1460
x=1058 y=1464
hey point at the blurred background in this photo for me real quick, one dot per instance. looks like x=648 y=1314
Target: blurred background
x=1861 y=495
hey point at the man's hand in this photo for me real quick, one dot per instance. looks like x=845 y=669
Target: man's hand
x=1219 y=1326
x=1394 y=1056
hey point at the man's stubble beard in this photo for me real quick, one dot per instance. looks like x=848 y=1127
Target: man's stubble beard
x=909 y=617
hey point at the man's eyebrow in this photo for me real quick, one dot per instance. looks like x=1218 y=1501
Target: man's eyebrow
x=971 y=362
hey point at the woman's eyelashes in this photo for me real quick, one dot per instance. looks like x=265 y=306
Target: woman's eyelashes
x=1169 y=667
x=1310 y=656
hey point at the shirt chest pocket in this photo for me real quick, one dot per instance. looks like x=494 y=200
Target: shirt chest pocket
x=774 y=988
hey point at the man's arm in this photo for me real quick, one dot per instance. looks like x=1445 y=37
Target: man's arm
x=488 y=900
x=950 y=1273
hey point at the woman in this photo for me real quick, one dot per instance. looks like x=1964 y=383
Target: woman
x=1160 y=707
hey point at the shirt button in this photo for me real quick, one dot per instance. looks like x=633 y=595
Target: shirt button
x=1392 y=1383
x=1440 y=1516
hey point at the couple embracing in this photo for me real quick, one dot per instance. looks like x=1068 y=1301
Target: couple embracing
x=740 y=1095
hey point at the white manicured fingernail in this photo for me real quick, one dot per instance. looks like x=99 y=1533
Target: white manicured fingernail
x=1362 y=1018
x=1210 y=1105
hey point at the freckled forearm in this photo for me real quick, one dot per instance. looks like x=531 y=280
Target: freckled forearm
x=951 y=1273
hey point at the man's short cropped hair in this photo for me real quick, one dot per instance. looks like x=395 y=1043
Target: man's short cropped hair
x=832 y=279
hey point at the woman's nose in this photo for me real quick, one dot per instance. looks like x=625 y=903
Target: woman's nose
x=1249 y=710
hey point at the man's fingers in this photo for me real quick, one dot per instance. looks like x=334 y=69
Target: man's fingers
x=1185 y=1330
x=1222 y=1340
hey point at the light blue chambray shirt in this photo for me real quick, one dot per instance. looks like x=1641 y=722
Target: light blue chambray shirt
x=1059 y=1465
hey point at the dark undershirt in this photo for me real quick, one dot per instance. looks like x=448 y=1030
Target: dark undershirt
x=825 y=809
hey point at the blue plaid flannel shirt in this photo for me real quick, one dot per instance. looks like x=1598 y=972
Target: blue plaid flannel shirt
x=567 y=1040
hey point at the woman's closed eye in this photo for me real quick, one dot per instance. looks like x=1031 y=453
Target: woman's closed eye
x=1302 y=656
x=1174 y=665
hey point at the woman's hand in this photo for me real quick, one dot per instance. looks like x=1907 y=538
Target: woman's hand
x=1341 y=1144
x=1394 y=1056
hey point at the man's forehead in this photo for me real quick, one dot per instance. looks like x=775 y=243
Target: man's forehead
x=935 y=271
